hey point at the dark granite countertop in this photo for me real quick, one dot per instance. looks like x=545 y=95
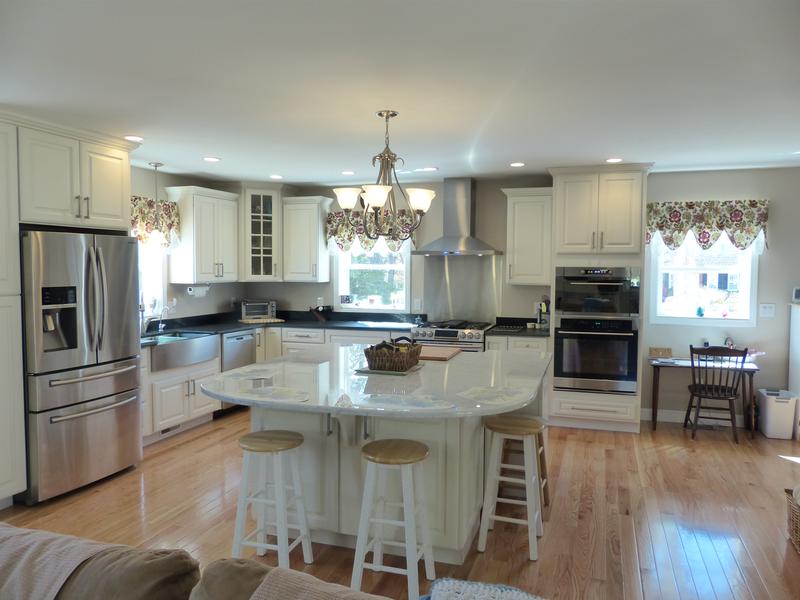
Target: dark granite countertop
x=519 y=322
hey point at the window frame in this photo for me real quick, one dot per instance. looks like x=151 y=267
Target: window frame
x=337 y=305
x=160 y=304
x=653 y=250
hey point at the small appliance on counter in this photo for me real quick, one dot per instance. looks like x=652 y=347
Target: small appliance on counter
x=259 y=311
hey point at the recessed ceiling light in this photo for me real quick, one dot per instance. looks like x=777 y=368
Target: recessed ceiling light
x=426 y=169
x=211 y=159
x=613 y=160
x=276 y=176
x=134 y=138
x=348 y=172
x=517 y=165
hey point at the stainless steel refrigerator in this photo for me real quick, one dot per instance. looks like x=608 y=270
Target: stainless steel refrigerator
x=80 y=305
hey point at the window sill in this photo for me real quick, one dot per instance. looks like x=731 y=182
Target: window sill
x=702 y=322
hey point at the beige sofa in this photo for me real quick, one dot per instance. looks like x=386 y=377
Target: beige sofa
x=125 y=573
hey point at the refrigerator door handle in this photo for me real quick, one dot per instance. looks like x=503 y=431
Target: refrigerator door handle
x=104 y=289
x=93 y=411
x=92 y=319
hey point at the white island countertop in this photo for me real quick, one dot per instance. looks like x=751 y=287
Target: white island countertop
x=323 y=380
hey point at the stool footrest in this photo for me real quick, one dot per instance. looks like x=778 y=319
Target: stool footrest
x=250 y=541
x=512 y=501
x=387 y=522
x=511 y=479
x=512 y=467
x=384 y=569
x=509 y=520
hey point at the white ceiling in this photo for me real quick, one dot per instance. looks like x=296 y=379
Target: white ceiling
x=290 y=87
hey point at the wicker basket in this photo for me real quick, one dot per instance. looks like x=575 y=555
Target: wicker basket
x=396 y=356
x=794 y=520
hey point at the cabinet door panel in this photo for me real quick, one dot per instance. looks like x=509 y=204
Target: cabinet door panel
x=170 y=402
x=261 y=239
x=12 y=418
x=205 y=230
x=105 y=181
x=226 y=239
x=529 y=240
x=576 y=213
x=620 y=213
x=199 y=403
x=9 y=211
x=301 y=232
x=496 y=343
x=49 y=178
x=527 y=344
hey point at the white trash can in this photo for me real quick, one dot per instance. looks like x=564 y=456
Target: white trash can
x=776 y=417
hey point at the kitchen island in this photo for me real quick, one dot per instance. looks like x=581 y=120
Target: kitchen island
x=319 y=394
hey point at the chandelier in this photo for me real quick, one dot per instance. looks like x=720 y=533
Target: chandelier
x=381 y=215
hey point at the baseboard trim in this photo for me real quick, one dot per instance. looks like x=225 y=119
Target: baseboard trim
x=6 y=502
x=622 y=426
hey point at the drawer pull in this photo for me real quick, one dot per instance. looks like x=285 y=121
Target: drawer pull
x=94 y=411
x=600 y=410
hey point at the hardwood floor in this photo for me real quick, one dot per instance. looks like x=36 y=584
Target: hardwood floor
x=632 y=516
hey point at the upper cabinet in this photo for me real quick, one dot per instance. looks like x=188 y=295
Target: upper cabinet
x=599 y=212
x=64 y=181
x=261 y=242
x=9 y=216
x=529 y=226
x=305 y=250
x=209 y=241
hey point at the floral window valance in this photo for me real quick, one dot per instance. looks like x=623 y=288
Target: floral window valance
x=340 y=230
x=146 y=219
x=741 y=220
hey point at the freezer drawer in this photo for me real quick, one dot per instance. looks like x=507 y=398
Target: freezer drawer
x=70 y=447
x=57 y=390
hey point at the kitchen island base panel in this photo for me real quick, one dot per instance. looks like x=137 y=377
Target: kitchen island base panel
x=333 y=472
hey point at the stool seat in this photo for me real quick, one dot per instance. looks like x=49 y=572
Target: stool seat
x=270 y=441
x=395 y=452
x=514 y=425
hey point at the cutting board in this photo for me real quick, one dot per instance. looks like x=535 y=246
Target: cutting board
x=434 y=353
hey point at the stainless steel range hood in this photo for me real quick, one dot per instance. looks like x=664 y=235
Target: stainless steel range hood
x=459 y=227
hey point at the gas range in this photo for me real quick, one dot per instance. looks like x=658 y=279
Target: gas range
x=467 y=335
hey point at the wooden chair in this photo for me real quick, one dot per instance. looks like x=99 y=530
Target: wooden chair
x=716 y=376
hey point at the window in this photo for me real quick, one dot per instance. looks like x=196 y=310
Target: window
x=377 y=280
x=152 y=271
x=716 y=286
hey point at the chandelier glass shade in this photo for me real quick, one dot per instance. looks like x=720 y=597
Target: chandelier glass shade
x=382 y=217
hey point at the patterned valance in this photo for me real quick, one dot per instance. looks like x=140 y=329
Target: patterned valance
x=741 y=220
x=146 y=219
x=340 y=230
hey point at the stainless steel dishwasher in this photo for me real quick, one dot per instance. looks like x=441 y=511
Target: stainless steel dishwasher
x=238 y=350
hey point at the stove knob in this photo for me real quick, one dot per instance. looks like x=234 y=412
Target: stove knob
x=470 y=335
x=429 y=334
x=461 y=335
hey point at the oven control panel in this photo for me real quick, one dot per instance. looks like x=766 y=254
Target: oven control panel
x=462 y=335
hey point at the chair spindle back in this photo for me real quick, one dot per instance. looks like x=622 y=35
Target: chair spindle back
x=718 y=370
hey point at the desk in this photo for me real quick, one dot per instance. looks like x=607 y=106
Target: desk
x=750 y=369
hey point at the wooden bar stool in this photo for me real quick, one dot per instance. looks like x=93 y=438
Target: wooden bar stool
x=260 y=449
x=514 y=447
x=525 y=430
x=405 y=456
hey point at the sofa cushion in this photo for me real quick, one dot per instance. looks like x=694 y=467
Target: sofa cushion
x=230 y=579
x=133 y=574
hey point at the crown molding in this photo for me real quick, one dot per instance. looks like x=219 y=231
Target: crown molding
x=612 y=168
x=72 y=132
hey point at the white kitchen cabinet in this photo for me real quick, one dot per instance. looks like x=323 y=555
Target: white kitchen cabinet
x=496 y=342
x=64 y=181
x=12 y=415
x=176 y=395
x=305 y=249
x=599 y=212
x=268 y=343
x=105 y=187
x=170 y=406
x=9 y=211
x=516 y=344
x=619 y=214
x=262 y=240
x=208 y=247
x=319 y=462
x=199 y=403
x=344 y=336
x=529 y=240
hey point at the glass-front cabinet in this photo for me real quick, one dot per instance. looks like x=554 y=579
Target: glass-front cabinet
x=262 y=242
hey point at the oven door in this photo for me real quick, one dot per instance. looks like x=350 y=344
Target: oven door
x=598 y=296
x=596 y=361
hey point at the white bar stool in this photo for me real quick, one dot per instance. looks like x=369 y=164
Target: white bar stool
x=405 y=456
x=261 y=448
x=525 y=430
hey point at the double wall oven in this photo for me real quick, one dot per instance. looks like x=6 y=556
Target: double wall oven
x=596 y=337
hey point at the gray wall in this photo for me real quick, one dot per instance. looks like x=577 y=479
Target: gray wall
x=778 y=272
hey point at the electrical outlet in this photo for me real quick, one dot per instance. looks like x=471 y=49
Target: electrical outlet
x=766 y=311
x=659 y=352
